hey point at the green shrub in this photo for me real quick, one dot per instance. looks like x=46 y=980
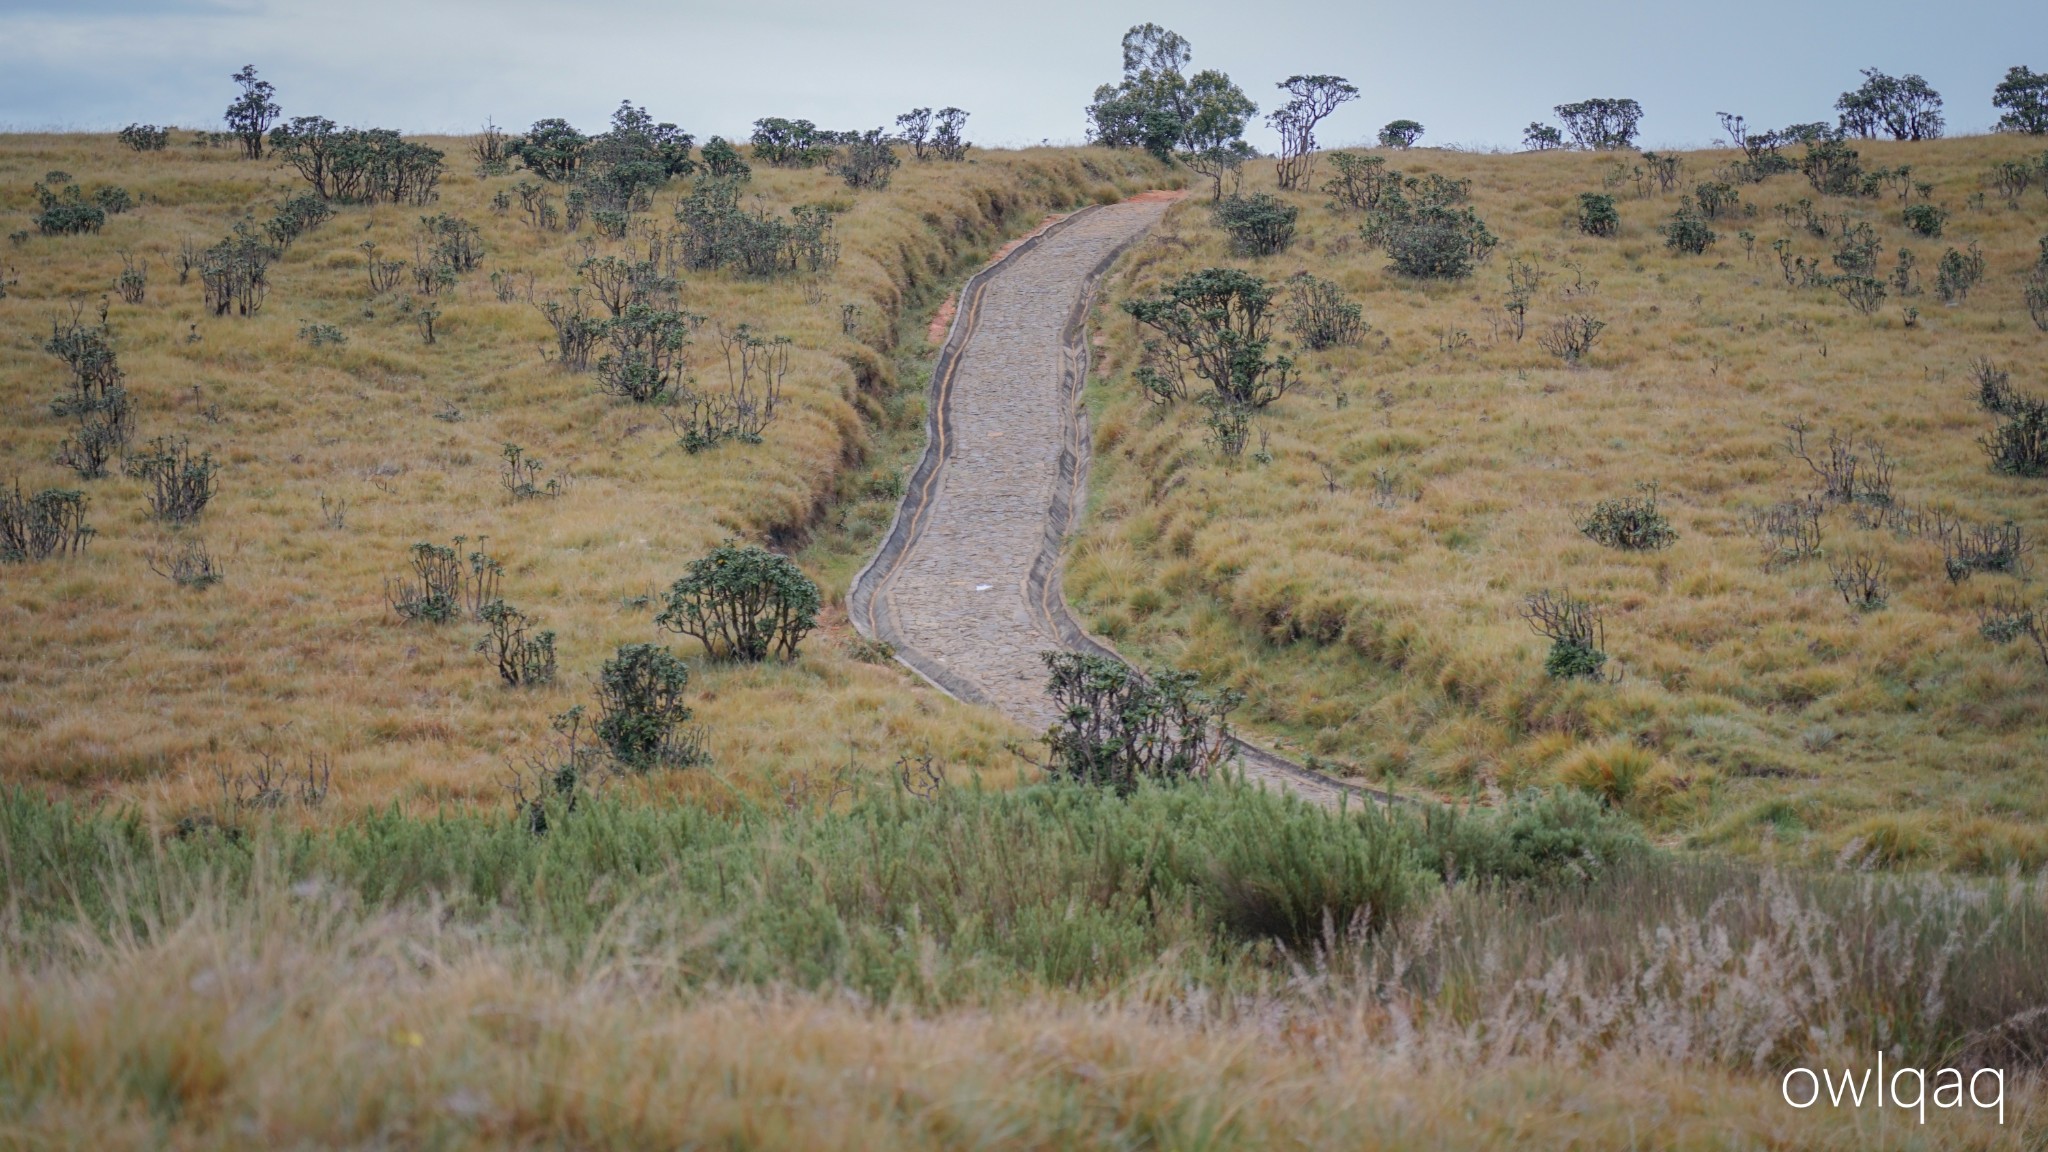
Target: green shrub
x=67 y=212
x=1958 y=273
x=49 y=523
x=1218 y=323
x=1546 y=838
x=1575 y=631
x=1259 y=225
x=1320 y=315
x=1630 y=523
x=1597 y=214
x=742 y=603
x=641 y=711
x=1427 y=229
x=1275 y=872
x=1688 y=232
x=524 y=657
x=792 y=143
x=723 y=161
x=868 y=161
x=1118 y=727
x=1926 y=219
x=145 y=137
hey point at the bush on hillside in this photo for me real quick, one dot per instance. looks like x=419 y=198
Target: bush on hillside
x=1259 y=224
x=641 y=710
x=67 y=211
x=1118 y=727
x=742 y=603
x=867 y=161
x=1597 y=215
x=145 y=137
x=49 y=523
x=1630 y=523
x=1926 y=219
x=1218 y=323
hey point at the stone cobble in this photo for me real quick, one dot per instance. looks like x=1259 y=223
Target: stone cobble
x=958 y=600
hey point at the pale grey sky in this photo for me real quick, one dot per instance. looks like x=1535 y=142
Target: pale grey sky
x=1474 y=71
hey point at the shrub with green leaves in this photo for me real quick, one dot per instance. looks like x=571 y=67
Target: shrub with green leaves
x=1958 y=272
x=1832 y=167
x=1218 y=324
x=180 y=482
x=1118 y=727
x=1601 y=124
x=295 y=217
x=722 y=160
x=1576 y=633
x=67 y=211
x=1926 y=219
x=742 y=603
x=2034 y=289
x=49 y=523
x=1597 y=214
x=717 y=231
x=792 y=143
x=641 y=710
x=145 y=137
x=524 y=657
x=1688 y=232
x=1320 y=315
x=1428 y=230
x=1259 y=225
x=867 y=161
x=1630 y=523
x=552 y=149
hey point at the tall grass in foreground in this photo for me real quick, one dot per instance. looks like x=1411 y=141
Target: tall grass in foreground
x=1562 y=938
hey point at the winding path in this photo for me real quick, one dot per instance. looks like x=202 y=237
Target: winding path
x=966 y=586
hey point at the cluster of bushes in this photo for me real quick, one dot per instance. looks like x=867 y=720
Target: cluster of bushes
x=934 y=137
x=63 y=209
x=1601 y=124
x=145 y=137
x=2018 y=446
x=1425 y=223
x=359 y=165
x=717 y=231
x=95 y=399
x=49 y=523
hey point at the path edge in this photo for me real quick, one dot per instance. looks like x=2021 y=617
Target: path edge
x=869 y=613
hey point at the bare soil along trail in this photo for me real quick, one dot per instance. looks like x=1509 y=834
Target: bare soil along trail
x=966 y=585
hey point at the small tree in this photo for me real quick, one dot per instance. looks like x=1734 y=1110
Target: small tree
x=743 y=603
x=1320 y=315
x=552 y=149
x=1218 y=323
x=1602 y=123
x=250 y=114
x=949 y=135
x=1311 y=100
x=723 y=161
x=1117 y=728
x=868 y=161
x=645 y=362
x=1541 y=137
x=2035 y=289
x=641 y=711
x=1400 y=134
x=1907 y=108
x=524 y=658
x=1958 y=273
x=2023 y=95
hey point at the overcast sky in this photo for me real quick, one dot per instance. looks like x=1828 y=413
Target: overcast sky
x=1475 y=72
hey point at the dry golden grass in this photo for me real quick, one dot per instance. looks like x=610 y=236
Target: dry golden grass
x=118 y=684
x=288 y=1022
x=1387 y=638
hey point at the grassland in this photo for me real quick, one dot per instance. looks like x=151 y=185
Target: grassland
x=120 y=685
x=1374 y=623
x=1045 y=966
x=796 y=948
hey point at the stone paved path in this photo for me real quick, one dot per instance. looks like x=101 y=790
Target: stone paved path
x=966 y=586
